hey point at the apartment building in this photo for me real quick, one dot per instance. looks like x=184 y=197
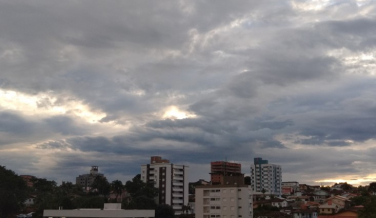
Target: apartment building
x=224 y=201
x=266 y=178
x=171 y=181
x=86 y=180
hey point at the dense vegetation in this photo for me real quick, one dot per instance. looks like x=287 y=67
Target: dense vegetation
x=48 y=195
x=13 y=192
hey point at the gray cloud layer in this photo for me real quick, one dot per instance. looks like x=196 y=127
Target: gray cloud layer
x=291 y=81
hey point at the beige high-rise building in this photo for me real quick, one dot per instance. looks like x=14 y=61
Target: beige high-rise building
x=224 y=201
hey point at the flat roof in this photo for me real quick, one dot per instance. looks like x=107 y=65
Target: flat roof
x=222 y=186
x=99 y=213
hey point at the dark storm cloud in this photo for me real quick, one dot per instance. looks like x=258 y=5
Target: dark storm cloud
x=358 y=129
x=14 y=123
x=64 y=125
x=17 y=128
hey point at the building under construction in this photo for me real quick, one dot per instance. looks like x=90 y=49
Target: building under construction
x=226 y=173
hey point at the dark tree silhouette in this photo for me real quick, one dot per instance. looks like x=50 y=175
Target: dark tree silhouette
x=13 y=192
x=117 y=188
x=369 y=210
x=101 y=185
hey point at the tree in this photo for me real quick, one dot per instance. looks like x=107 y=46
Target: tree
x=117 y=188
x=263 y=192
x=140 y=191
x=141 y=203
x=101 y=185
x=359 y=200
x=13 y=192
x=70 y=188
x=186 y=209
x=346 y=187
x=247 y=180
x=164 y=211
x=43 y=185
x=372 y=187
x=49 y=196
x=369 y=210
x=137 y=187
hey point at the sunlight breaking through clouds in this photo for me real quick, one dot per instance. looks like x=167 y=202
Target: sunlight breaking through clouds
x=46 y=104
x=173 y=112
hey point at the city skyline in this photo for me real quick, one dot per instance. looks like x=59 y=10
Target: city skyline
x=110 y=84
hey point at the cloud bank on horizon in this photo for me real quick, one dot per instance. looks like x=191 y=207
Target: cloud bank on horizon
x=113 y=83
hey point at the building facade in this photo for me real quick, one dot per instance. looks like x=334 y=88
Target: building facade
x=225 y=201
x=171 y=181
x=86 y=180
x=226 y=173
x=266 y=178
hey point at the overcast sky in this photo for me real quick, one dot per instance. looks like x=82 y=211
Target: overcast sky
x=111 y=83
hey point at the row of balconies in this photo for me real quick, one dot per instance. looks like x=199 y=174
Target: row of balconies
x=177 y=194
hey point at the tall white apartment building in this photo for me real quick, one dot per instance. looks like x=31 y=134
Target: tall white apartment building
x=266 y=177
x=224 y=201
x=171 y=181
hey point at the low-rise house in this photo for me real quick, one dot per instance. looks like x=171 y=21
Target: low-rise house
x=304 y=213
x=341 y=202
x=286 y=190
x=327 y=209
x=344 y=214
x=322 y=195
x=299 y=198
x=312 y=205
x=303 y=187
x=294 y=185
x=337 y=186
x=273 y=214
x=349 y=195
x=276 y=202
x=261 y=203
x=334 y=204
x=314 y=187
x=29 y=201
